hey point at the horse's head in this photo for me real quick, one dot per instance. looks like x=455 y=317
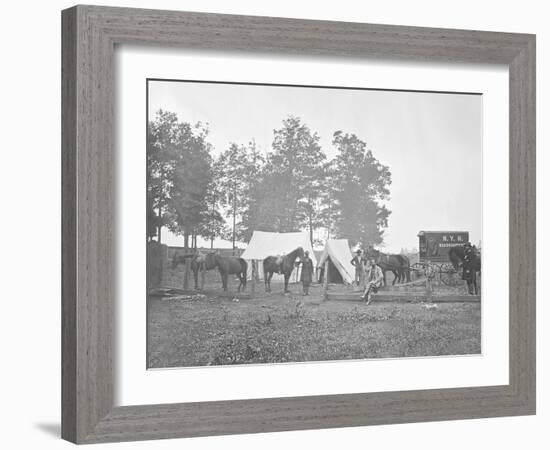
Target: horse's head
x=372 y=253
x=200 y=257
x=456 y=256
x=209 y=259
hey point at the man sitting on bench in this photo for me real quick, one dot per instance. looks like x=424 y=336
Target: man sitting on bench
x=374 y=280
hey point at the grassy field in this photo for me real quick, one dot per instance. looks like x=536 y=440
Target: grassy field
x=271 y=328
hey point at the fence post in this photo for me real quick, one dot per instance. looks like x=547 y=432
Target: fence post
x=429 y=276
x=186 y=275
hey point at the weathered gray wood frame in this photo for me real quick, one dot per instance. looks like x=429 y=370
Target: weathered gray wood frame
x=89 y=36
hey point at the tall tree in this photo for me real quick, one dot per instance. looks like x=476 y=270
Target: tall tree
x=329 y=212
x=253 y=193
x=213 y=224
x=312 y=184
x=191 y=179
x=293 y=173
x=239 y=166
x=361 y=184
x=178 y=172
x=161 y=155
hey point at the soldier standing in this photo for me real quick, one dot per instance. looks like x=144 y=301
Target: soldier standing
x=357 y=262
x=307 y=272
x=469 y=253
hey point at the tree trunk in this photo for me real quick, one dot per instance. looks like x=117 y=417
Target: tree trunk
x=186 y=240
x=233 y=232
x=310 y=230
x=212 y=224
x=159 y=227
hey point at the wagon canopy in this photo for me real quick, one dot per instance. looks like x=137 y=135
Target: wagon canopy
x=265 y=243
x=338 y=253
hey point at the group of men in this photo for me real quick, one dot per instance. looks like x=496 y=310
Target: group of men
x=367 y=273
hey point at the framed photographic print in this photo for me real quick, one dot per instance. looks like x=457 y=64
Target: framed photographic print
x=278 y=224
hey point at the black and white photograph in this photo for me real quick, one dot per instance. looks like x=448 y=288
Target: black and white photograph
x=290 y=224
x=261 y=225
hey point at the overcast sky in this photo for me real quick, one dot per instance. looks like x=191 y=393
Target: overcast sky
x=432 y=142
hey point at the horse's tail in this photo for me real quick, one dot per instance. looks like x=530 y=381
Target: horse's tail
x=244 y=265
x=406 y=264
x=270 y=265
x=244 y=271
x=455 y=257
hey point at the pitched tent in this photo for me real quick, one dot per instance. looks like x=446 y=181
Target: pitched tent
x=265 y=243
x=338 y=253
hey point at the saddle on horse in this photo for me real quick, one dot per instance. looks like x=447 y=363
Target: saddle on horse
x=279 y=261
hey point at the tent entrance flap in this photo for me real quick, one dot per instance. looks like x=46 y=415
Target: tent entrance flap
x=338 y=253
x=334 y=275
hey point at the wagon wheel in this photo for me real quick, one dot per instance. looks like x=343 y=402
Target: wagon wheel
x=432 y=270
x=449 y=276
x=417 y=271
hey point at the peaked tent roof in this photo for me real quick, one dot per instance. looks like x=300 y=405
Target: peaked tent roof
x=340 y=254
x=265 y=243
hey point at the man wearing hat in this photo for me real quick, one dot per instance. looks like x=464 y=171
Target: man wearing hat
x=374 y=280
x=469 y=254
x=307 y=272
x=357 y=262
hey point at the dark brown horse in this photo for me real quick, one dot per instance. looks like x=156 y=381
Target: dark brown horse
x=198 y=263
x=399 y=265
x=281 y=265
x=228 y=265
x=469 y=262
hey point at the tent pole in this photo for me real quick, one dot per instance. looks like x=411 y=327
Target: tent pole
x=253 y=279
x=325 y=281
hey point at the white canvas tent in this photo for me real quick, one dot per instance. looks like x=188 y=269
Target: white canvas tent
x=339 y=254
x=265 y=243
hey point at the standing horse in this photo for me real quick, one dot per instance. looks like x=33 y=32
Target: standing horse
x=470 y=266
x=229 y=265
x=399 y=265
x=198 y=263
x=281 y=265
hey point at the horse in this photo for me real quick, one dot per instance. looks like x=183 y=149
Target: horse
x=228 y=265
x=470 y=267
x=281 y=265
x=399 y=265
x=198 y=263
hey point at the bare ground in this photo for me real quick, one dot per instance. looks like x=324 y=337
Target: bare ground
x=274 y=328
